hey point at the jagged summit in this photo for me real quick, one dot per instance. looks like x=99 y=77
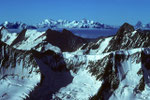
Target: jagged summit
x=125 y=28
x=139 y=25
x=65 y=40
x=128 y=38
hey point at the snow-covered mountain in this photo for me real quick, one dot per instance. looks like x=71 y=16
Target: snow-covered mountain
x=140 y=25
x=74 y=68
x=17 y=25
x=60 y=24
x=49 y=23
x=73 y=24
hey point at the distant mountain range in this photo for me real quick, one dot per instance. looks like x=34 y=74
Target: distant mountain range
x=49 y=23
x=141 y=25
x=56 y=24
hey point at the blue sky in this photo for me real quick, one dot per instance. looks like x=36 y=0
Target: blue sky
x=114 y=12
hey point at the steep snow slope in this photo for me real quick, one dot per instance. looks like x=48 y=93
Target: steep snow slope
x=27 y=40
x=94 y=48
x=7 y=37
x=19 y=73
x=84 y=85
x=33 y=39
x=125 y=76
x=30 y=38
x=136 y=87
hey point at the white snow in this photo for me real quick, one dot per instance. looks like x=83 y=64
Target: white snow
x=82 y=87
x=83 y=82
x=133 y=33
x=8 y=37
x=13 y=88
x=70 y=24
x=129 y=79
x=103 y=45
x=99 y=51
x=33 y=38
x=16 y=83
x=45 y=47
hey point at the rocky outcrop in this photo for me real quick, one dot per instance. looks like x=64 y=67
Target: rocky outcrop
x=65 y=40
x=20 y=37
x=128 y=38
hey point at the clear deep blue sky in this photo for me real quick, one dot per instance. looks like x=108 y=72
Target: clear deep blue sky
x=114 y=12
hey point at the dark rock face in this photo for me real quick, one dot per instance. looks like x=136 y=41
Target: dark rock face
x=11 y=58
x=0 y=32
x=125 y=28
x=65 y=40
x=146 y=60
x=103 y=70
x=54 y=73
x=20 y=37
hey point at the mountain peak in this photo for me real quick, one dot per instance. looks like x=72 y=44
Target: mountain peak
x=139 y=24
x=125 y=28
x=65 y=40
